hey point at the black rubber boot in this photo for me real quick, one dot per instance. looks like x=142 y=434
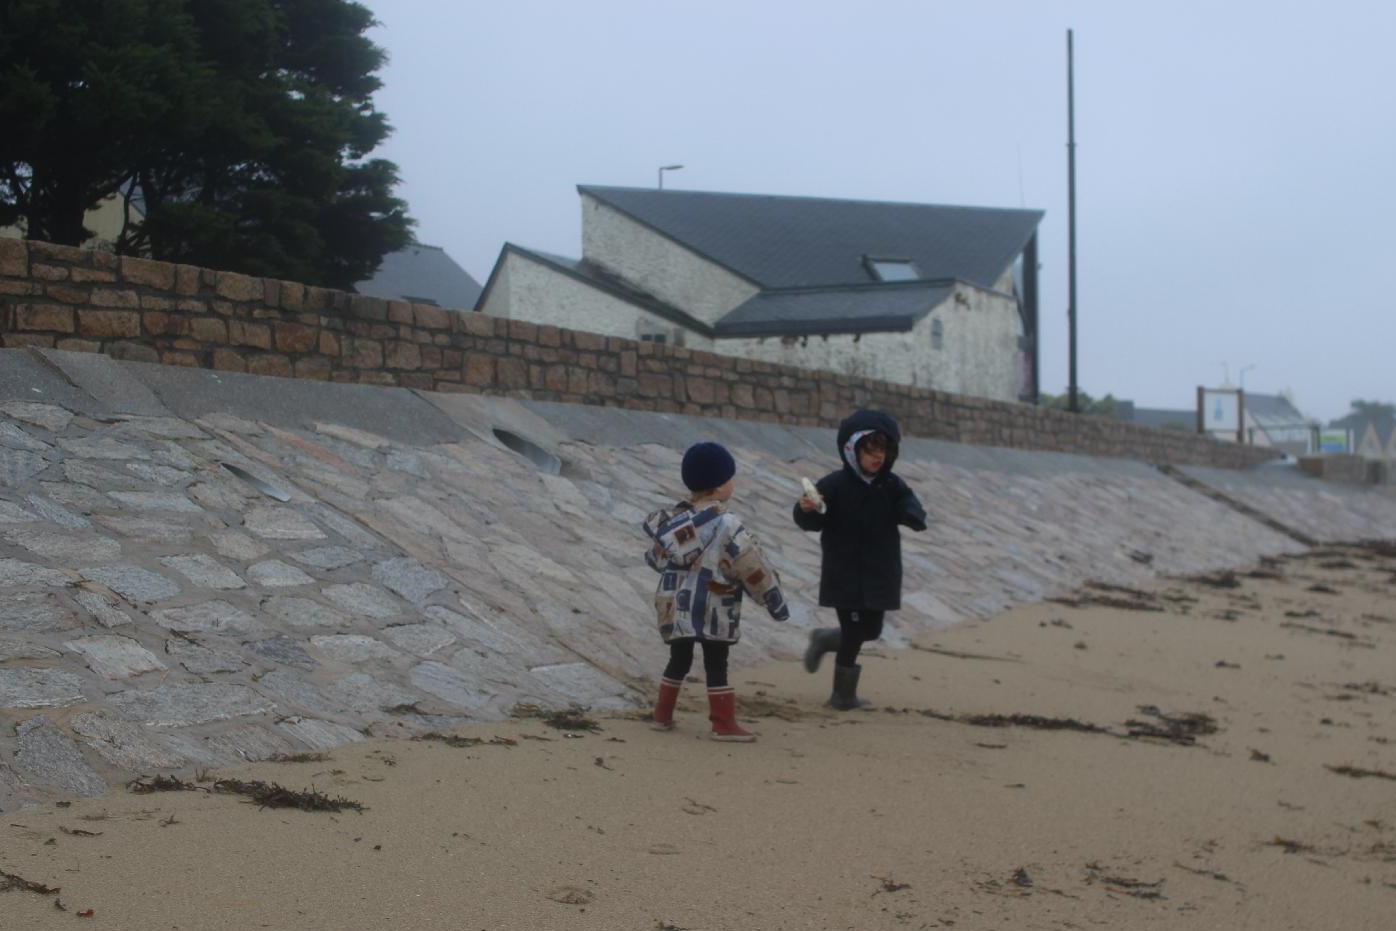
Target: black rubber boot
x=845 y=697
x=821 y=640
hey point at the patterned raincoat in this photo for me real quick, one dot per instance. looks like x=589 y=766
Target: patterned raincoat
x=706 y=561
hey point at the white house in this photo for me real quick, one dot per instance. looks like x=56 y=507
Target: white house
x=929 y=295
x=1273 y=420
x=106 y=221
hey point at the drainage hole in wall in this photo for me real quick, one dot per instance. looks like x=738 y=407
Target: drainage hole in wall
x=540 y=457
x=271 y=491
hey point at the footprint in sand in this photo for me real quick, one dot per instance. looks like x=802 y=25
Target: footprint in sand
x=696 y=808
x=572 y=895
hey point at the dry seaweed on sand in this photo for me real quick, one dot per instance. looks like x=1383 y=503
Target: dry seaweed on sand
x=1179 y=728
x=1018 y=720
x=1137 y=888
x=1210 y=874
x=452 y=740
x=1366 y=688
x=571 y=719
x=1356 y=772
x=1223 y=579
x=313 y=757
x=10 y=881
x=1379 y=547
x=1105 y=595
x=1340 y=634
x=1019 y=885
x=889 y=885
x=271 y=795
x=1290 y=846
x=1034 y=721
x=160 y=784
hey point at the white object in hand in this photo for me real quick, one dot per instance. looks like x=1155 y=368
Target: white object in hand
x=813 y=494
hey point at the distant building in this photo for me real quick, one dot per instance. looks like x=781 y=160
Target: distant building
x=104 y=221
x=424 y=274
x=935 y=296
x=1267 y=420
x=1273 y=420
x=1373 y=435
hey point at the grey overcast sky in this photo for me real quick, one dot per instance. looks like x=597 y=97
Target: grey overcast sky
x=1234 y=158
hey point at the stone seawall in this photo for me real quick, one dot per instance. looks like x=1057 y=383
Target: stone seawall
x=133 y=309
x=198 y=568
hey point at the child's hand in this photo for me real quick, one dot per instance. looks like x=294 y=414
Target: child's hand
x=812 y=500
x=808 y=505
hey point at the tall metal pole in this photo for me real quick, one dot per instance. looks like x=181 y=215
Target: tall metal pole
x=1072 y=403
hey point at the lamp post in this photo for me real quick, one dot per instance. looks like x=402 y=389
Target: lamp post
x=664 y=168
x=1242 y=375
x=1072 y=403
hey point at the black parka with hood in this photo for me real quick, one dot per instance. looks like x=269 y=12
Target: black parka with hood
x=861 y=567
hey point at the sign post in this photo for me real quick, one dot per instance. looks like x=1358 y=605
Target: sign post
x=1221 y=413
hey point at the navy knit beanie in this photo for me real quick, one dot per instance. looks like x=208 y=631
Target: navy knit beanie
x=706 y=466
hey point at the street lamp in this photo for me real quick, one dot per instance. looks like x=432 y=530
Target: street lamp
x=664 y=168
x=1242 y=375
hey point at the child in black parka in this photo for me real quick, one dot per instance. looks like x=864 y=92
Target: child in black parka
x=863 y=505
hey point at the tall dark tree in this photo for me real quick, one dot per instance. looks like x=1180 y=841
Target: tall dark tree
x=1095 y=407
x=87 y=90
x=1378 y=409
x=257 y=160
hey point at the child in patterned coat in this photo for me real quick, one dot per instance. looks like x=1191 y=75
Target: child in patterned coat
x=706 y=561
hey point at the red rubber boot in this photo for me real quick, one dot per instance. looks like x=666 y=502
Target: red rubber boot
x=664 y=705
x=722 y=711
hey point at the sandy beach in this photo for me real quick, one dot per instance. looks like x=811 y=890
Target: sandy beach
x=1214 y=752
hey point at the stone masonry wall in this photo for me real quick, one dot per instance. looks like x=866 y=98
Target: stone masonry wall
x=134 y=309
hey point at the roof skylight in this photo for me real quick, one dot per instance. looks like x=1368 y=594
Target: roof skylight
x=890 y=269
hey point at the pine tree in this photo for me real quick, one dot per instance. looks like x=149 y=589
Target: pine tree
x=244 y=126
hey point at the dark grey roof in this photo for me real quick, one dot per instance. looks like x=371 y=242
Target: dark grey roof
x=425 y=274
x=867 y=308
x=593 y=274
x=796 y=242
x=1273 y=410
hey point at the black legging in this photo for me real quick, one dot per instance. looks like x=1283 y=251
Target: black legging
x=855 y=629
x=714 y=660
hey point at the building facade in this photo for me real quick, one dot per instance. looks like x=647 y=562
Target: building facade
x=925 y=295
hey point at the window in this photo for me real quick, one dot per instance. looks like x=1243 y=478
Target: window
x=937 y=334
x=887 y=268
x=648 y=331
